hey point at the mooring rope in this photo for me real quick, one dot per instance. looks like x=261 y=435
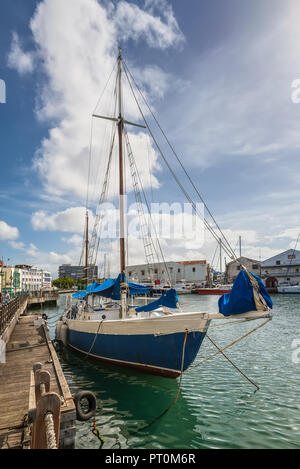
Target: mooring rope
x=178 y=389
x=50 y=431
x=92 y=346
x=233 y=364
x=229 y=345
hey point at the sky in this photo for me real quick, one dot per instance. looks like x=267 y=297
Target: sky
x=220 y=75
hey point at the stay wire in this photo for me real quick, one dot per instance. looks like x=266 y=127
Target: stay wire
x=227 y=249
x=231 y=253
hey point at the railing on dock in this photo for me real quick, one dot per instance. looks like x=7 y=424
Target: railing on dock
x=7 y=311
x=43 y=294
x=44 y=411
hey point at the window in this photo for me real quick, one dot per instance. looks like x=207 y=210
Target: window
x=297 y=270
x=179 y=271
x=291 y=256
x=156 y=271
x=143 y=272
x=277 y=262
x=194 y=269
x=255 y=266
x=130 y=273
x=238 y=267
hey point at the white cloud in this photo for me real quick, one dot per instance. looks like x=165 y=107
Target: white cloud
x=76 y=43
x=7 y=232
x=75 y=239
x=18 y=245
x=71 y=220
x=19 y=60
x=160 y=30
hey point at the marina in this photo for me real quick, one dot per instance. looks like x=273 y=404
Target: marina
x=213 y=396
x=149 y=225
x=30 y=362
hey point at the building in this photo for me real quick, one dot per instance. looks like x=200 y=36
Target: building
x=233 y=268
x=77 y=272
x=282 y=268
x=33 y=279
x=188 y=271
x=10 y=279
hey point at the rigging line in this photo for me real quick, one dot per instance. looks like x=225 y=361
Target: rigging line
x=148 y=242
x=95 y=239
x=101 y=96
x=99 y=219
x=212 y=262
x=180 y=162
x=228 y=249
x=104 y=149
x=150 y=175
x=89 y=166
x=233 y=364
x=152 y=222
x=91 y=137
x=211 y=230
x=232 y=343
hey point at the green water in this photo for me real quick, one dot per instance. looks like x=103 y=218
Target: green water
x=217 y=407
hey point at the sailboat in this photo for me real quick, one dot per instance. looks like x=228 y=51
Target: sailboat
x=156 y=338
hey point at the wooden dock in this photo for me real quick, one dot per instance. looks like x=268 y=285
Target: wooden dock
x=27 y=344
x=42 y=298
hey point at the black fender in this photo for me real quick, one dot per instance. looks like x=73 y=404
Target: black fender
x=91 y=398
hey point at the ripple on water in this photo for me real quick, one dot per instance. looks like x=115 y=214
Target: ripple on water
x=217 y=408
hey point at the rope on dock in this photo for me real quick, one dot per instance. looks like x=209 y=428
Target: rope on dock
x=50 y=431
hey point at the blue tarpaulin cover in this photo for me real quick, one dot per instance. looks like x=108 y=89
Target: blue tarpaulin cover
x=80 y=295
x=240 y=299
x=168 y=299
x=111 y=288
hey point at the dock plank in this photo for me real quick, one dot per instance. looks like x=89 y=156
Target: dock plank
x=28 y=344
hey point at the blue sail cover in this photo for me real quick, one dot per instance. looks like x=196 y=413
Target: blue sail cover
x=168 y=299
x=90 y=288
x=111 y=288
x=80 y=295
x=240 y=299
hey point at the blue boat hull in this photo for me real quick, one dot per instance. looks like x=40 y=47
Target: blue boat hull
x=159 y=355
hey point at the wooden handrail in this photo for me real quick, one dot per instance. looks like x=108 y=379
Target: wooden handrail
x=7 y=311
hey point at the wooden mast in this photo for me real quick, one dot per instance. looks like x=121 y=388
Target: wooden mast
x=123 y=286
x=121 y=170
x=86 y=269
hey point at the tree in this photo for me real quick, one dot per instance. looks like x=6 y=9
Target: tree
x=63 y=283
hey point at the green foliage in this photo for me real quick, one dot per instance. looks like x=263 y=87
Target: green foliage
x=63 y=283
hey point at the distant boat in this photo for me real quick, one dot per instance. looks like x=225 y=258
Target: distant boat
x=288 y=288
x=213 y=291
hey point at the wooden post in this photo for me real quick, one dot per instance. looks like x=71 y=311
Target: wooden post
x=49 y=402
x=41 y=378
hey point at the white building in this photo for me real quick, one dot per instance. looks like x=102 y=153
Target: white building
x=285 y=267
x=33 y=279
x=188 y=271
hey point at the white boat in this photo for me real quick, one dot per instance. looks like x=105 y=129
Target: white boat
x=154 y=337
x=288 y=288
x=183 y=288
